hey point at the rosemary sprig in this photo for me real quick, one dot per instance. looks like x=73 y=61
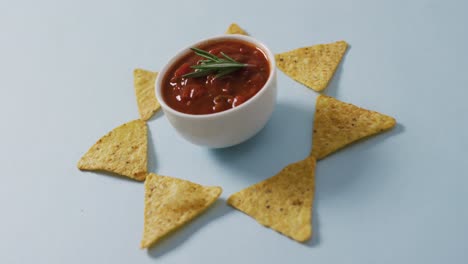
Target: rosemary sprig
x=213 y=64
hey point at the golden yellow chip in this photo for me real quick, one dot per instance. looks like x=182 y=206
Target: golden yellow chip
x=312 y=66
x=122 y=151
x=338 y=124
x=170 y=203
x=145 y=93
x=235 y=29
x=282 y=202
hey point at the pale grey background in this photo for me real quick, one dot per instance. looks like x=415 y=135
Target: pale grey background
x=66 y=79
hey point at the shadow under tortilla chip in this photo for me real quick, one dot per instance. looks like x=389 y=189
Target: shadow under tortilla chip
x=282 y=202
x=170 y=203
x=312 y=66
x=143 y=81
x=235 y=29
x=122 y=151
x=338 y=124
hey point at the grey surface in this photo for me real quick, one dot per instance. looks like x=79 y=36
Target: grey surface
x=66 y=79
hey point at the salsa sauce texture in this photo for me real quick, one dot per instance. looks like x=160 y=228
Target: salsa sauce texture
x=210 y=94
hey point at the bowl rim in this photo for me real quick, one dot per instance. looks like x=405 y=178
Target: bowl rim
x=270 y=57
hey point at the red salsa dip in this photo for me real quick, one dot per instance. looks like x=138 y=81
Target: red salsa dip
x=210 y=94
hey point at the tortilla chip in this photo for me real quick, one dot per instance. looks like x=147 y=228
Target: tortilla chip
x=235 y=29
x=282 y=202
x=122 y=151
x=170 y=203
x=145 y=93
x=312 y=66
x=338 y=124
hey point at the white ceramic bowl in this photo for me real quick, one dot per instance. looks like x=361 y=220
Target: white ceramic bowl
x=232 y=126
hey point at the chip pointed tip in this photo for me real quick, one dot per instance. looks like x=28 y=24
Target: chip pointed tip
x=229 y=200
x=234 y=28
x=141 y=176
x=343 y=42
x=145 y=245
x=217 y=190
x=81 y=164
x=233 y=200
x=305 y=235
x=392 y=122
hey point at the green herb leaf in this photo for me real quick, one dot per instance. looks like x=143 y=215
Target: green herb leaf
x=219 y=65
x=205 y=54
x=224 y=73
x=228 y=58
x=213 y=64
x=197 y=74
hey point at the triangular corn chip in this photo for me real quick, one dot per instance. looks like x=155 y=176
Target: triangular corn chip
x=143 y=81
x=122 y=151
x=170 y=203
x=312 y=66
x=282 y=202
x=338 y=124
x=235 y=29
